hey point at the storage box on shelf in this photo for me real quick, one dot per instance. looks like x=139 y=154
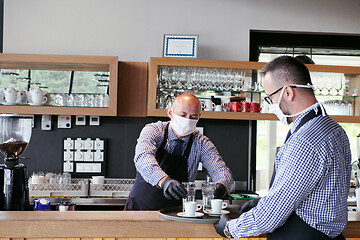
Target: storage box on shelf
x=112 y=187
x=88 y=84
x=236 y=80
x=77 y=188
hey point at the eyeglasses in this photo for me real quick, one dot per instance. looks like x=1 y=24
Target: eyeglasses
x=268 y=99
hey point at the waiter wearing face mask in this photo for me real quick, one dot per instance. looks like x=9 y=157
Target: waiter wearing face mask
x=168 y=153
x=308 y=192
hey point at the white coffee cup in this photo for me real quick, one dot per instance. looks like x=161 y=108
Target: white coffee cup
x=37 y=96
x=208 y=105
x=21 y=98
x=217 y=205
x=218 y=108
x=191 y=208
x=98 y=180
x=10 y=95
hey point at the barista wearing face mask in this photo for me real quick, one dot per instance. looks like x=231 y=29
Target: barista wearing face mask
x=168 y=153
x=308 y=192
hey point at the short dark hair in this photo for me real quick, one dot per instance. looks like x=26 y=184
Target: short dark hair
x=288 y=70
x=304 y=59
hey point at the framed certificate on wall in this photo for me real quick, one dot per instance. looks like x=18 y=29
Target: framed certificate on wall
x=180 y=46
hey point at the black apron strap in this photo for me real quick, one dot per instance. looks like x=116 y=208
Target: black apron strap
x=305 y=119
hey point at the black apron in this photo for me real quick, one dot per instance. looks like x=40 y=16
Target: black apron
x=144 y=196
x=295 y=228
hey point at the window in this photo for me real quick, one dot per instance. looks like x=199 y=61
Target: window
x=322 y=49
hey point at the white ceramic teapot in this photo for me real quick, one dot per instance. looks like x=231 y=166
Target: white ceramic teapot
x=37 y=96
x=10 y=95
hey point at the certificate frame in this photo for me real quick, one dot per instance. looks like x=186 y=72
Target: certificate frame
x=180 y=46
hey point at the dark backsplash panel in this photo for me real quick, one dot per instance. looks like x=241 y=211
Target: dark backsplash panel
x=46 y=147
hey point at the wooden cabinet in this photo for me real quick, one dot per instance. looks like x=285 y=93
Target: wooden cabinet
x=75 y=85
x=132 y=89
x=237 y=80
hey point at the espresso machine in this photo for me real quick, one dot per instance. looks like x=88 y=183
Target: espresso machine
x=15 y=134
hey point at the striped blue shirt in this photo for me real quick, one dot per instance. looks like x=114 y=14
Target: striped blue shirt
x=202 y=150
x=312 y=178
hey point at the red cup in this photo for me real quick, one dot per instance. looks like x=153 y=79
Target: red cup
x=234 y=106
x=245 y=107
x=255 y=107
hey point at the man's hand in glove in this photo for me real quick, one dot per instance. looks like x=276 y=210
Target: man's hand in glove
x=220 y=226
x=173 y=189
x=220 y=191
x=248 y=205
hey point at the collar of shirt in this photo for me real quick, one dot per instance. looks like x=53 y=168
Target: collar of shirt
x=301 y=116
x=172 y=136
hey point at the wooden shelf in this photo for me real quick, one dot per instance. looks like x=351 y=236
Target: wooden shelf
x=249 y=116
x=55 y=62
x=64 y=63
x=352 y=73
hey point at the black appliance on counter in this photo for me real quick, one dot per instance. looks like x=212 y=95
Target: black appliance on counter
x=15 y=134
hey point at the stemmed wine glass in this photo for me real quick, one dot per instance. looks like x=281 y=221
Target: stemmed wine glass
x=338 y=84
x=321 y=84
x=164 y=76
x=329 y=84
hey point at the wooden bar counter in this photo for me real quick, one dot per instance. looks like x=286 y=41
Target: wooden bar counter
x=107 y=225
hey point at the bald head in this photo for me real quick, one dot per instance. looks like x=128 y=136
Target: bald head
x=186 y=105
x=186 y=99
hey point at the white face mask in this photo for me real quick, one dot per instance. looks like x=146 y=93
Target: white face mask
x=183 y=126
x=275 y=108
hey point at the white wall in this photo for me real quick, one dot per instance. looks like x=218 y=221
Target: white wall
x=133 y=29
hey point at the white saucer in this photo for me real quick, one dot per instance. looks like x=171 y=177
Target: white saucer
x=197 y=214
x=6 y=103
x=36 y=104
x=210 y=213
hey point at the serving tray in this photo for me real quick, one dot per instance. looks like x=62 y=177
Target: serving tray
x=170 y=213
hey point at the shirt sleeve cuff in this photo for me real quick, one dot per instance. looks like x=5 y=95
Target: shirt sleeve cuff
x=158 y=176
x=232 y=228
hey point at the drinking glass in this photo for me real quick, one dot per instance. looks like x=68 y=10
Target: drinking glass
x=338 y=84
x=67 y=181
x=328 y=84
x=164 y=76
x=346 y=86
x=61 y=100
x=190 y=196
x=321 y=84
x=174 y=78
x=208 y=189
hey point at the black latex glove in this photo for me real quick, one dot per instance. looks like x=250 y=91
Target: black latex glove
x=248 y=205
x=220 y=225
x=220 y=191
x=173 y=189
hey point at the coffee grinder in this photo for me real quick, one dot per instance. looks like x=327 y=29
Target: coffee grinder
x=15 y=134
